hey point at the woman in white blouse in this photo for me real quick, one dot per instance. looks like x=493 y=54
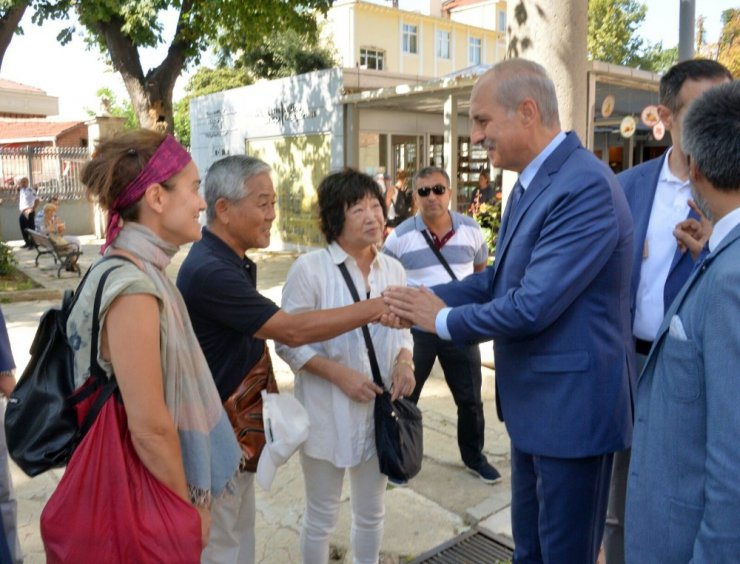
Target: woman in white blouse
x=333 y=378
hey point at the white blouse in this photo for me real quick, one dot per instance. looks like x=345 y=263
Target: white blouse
x=342 y=430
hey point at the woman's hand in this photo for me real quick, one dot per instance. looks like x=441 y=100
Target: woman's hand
x=356 y=386
x=404 y=381
x=205 y=524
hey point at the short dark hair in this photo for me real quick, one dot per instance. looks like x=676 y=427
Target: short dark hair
x=693 y=69
x=711 y=135
x=485 y=173
x=337 y=192
x=428 y=171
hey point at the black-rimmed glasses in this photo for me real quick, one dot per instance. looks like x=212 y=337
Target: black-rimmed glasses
x=438 y=190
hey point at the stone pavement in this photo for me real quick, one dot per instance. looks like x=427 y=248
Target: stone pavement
x=441 y=502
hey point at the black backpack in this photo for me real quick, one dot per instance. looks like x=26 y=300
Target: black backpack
x=40 y=420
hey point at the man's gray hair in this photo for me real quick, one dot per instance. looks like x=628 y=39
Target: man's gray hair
x=514 y=80
x=227 y=178
x=711 y=135
x=428 y=171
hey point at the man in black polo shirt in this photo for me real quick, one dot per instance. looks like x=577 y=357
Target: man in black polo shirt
x=232 y=319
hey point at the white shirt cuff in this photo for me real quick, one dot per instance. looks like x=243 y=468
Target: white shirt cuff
x=440 y=324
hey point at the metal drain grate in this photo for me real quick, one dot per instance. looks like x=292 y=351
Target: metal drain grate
x=471 y=547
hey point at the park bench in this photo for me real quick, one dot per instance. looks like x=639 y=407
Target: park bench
x=64 y=255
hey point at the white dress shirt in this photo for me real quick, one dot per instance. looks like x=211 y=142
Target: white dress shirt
x=26 y=198
x=342 y=430
x=722 y=228
x=670 y=206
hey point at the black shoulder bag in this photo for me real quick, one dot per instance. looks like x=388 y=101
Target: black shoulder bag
x=438 y=254
x=398 y=429
x=40 y=420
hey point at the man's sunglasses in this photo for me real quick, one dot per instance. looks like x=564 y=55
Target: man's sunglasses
x=438 y=190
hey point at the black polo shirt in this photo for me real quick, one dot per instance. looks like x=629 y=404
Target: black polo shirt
x=220 y=292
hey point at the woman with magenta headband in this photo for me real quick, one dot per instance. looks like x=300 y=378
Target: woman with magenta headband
x=148 y=184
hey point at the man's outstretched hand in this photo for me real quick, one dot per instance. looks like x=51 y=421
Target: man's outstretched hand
x=416 y=306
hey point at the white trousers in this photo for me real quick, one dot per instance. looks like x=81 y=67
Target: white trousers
x=232 y=526
x=323 y=484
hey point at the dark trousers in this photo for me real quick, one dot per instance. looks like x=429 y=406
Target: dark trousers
x=558 y=507
x=26 y=222
x=461 y=366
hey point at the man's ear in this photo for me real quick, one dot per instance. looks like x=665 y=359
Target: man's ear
x=666 y=116
x=222 y=205
x=154 y=197
x=528 y=111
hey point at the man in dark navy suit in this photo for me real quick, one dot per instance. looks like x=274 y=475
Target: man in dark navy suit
x=658 y=193
x=556 y=304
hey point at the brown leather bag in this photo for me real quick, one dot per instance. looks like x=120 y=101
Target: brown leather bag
x=244 y=408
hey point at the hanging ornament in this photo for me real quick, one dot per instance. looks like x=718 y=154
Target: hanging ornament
x=627 y=127
x=650 y=115
x=607 y=106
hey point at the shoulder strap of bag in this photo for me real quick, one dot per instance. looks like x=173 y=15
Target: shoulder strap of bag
x=110 y=386
x=438 y=254
x=365 y=331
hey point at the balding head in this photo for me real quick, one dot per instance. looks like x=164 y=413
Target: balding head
x=510 y=82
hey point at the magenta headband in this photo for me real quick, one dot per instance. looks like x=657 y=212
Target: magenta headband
x=169 y=159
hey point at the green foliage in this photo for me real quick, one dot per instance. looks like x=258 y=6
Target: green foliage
x=612 y=27
x=205 y=81
x=488 y=217
x=115 y=107
x=6 y=259
x=287 y=53
x=729 y=41
x=120 y=27
x=611 y=30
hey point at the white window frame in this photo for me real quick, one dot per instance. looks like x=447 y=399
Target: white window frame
x=475 y=44
x=502 y=21
x=368 y=53
x=442 y=41
x=410 y=39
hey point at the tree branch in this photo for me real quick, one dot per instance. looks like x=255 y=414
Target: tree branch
x=8 y=23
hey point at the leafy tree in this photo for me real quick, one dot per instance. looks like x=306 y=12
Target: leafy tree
x=116 y=108
x=612 y=27
x=120 y=27
x=11 y=14
x=729 y=41
x=286 y=54
x=205 y=81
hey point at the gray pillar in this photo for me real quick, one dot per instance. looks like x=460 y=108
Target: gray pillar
x=686 y=30
x=351 y=136
x=554 y=34
x=450 y=146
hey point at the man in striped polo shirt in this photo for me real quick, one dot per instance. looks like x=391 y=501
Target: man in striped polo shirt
x=435 y=246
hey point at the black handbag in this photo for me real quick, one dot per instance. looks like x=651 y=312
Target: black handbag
x=41 y=424
x=399 y=434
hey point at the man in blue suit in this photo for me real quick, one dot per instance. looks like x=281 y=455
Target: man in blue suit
x=658 y=193
x=557 y=305
x=683 y=493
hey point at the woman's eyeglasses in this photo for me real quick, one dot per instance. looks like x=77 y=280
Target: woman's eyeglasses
x=438 y=190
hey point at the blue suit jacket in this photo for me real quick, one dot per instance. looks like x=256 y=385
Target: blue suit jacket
x=683 y=492
x=557 y=306
x=639 y=184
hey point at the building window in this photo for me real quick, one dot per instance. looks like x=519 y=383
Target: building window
x=443 y=44
x=372 y=59
x=409 y=38
x=502 y=22
x=474 y=44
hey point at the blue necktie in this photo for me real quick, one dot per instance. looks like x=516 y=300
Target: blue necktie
x=514 y=197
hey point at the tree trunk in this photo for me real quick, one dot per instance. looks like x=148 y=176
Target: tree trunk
x=8 y=24
x=151 y=94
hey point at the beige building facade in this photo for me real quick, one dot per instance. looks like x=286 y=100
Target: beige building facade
x=437 y=43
